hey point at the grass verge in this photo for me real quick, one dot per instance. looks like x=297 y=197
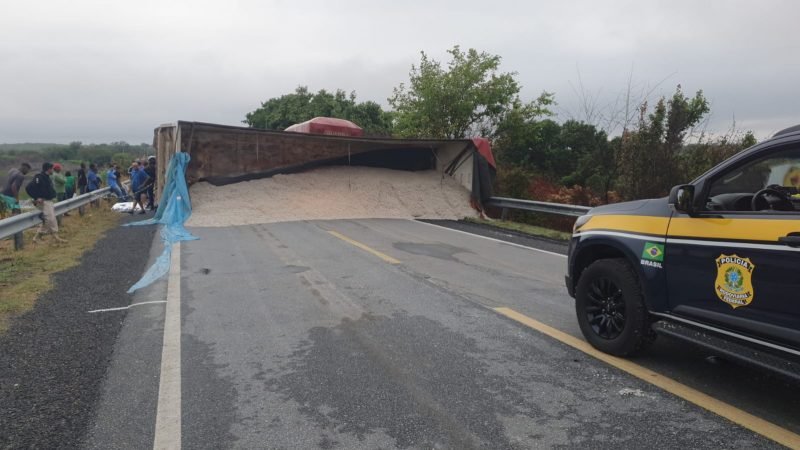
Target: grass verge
x=26 y=274
x=532 y=230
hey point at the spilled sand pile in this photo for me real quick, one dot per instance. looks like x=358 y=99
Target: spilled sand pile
x=339 y=192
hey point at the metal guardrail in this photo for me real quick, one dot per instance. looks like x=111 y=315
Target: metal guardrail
x=530 y=205
x=21 y=222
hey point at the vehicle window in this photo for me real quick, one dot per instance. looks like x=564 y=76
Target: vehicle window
x=775 y=178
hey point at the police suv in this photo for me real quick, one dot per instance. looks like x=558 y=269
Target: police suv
x=717 y=263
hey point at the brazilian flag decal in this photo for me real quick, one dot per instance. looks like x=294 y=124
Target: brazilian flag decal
x=653 y=252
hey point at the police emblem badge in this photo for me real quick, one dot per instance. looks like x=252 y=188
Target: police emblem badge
x=734 y=284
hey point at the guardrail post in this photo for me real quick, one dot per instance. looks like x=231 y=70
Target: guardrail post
x=504 y=214
x=19 y=241
x=81 y=210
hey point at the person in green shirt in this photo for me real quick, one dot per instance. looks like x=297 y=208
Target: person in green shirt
x=59 y=182
x=69 y=188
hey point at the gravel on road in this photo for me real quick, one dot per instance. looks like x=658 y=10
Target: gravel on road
x=54 y=357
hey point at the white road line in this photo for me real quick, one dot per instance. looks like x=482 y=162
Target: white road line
x=491 y=239
x=168 y=414
x=126 y=307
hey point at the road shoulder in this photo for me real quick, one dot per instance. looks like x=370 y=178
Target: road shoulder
x=55 y=356
x=503 y=234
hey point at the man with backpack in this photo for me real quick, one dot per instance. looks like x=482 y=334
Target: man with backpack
x=41 y=190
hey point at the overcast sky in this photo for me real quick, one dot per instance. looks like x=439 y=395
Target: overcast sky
x=101 y=71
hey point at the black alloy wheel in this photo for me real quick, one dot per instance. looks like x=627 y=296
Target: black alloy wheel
x=610 y=307
x=606 y=310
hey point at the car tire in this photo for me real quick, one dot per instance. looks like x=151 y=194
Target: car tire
x=610 y=307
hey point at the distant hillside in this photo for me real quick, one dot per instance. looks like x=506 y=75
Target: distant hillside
x=28 y=147
x=70 y=156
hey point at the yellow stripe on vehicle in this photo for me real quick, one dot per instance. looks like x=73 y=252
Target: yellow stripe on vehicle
x=633 y=224
x=729 y=228
x=742 y=418
x=768 y=230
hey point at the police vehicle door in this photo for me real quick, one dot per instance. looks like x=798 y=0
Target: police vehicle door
x=736 y=264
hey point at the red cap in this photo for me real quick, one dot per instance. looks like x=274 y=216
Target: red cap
x=56 y=166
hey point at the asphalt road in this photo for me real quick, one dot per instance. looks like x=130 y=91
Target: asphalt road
x=383 y=334
x=53 y=358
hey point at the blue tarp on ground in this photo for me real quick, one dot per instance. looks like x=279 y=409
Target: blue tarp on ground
x=174 y=209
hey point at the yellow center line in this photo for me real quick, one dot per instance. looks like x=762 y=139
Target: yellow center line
x=380 y=255
x=730 y=412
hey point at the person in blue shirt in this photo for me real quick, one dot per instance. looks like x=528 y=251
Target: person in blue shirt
x=94 y=181
x=113 y=183
x=139 y=183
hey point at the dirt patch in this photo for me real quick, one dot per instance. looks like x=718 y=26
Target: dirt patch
x=331 y=193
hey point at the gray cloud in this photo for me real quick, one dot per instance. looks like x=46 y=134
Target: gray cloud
x=101 y=71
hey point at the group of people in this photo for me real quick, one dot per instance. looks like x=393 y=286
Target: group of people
x=142 y=174
x=51 y=185
x=43 y=190
x=143 y=179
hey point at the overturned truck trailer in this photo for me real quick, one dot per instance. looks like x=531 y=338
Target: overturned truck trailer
x=222 y=154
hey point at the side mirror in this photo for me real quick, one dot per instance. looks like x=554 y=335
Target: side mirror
x=681 y=197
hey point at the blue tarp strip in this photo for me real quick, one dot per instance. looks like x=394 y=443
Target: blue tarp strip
x=174 y=209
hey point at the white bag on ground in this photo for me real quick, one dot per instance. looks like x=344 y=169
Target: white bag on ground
x=125 y=207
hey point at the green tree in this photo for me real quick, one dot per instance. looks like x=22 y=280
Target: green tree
x=58 y=153
x=588 y=158
x=280 y=112
x=707 y=153
x=123 y=160
x=649 y=156
x=468 y=98
x=579 y=152
x=120 y=147
x=372 y=118
x=606 y=169
x=527 y=143
x=513 y=182
x=572 y=153
x=96 y=154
